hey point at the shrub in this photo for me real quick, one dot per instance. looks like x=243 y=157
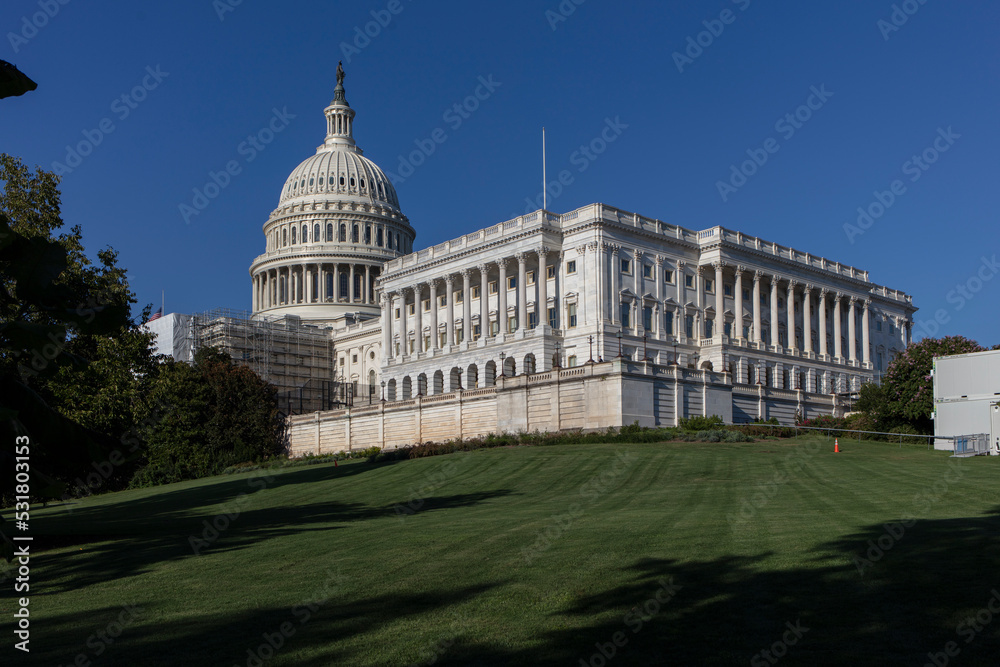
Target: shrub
x=699 y=423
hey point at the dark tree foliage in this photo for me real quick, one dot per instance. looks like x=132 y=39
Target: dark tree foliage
x=212 y=415
x=906 y=396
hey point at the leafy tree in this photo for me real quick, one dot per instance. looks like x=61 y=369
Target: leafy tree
x=213 y=414
x=906 y=396
x=58 y=314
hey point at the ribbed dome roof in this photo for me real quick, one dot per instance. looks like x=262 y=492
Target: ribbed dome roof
x=342 y=174
x=339 y=171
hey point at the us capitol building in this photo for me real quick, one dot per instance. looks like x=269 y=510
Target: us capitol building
x=593 y=318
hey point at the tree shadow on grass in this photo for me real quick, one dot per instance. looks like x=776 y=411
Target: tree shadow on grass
x=922 y=593
x=307 y=634
x=108 y=555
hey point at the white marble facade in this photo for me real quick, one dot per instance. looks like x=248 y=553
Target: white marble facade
x=546 y=290
x=716 y=299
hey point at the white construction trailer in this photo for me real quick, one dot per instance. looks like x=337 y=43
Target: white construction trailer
x=967 y=398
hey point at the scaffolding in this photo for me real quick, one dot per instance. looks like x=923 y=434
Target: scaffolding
x=296 y=358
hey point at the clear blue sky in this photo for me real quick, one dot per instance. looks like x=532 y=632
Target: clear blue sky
x=892 y=91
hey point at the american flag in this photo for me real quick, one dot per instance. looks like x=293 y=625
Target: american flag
x=157 y=315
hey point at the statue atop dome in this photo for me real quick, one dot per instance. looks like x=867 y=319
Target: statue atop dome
x=340 y=72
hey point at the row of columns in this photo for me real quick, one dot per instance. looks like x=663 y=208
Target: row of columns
x=297 y=284
x=465 y=279
x=792 y=289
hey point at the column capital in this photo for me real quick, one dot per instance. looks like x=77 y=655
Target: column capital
x=449 y=280
x=740 y=268
x=542 y=252
x=484 y=269
x=852 y=299
x=659 y=259
x=866 y=302
x=637 y=253
x=757 y=275
x=775 y=279
x=418 y=288
x=466 y=273
x=521 y=257
x=502 y=262
x=718 y=265
x=681 y=264
x=807 y=289
x=792 y=285
x=823 y=293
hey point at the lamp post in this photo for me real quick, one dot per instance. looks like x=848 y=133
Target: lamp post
x=590 y=339
x=619 y=337
x=502 y=357
x=383 y=391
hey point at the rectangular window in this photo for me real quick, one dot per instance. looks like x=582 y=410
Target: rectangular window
x=477 y=331
x=410 y=345
x=571 y=362
x=626 y=311
x=571 y=315
x=427 y=342
x=669 y=326
x=647 y=271
x=647 y=318
x=442 y=339
x=493 y=287
x=571 y=266
x=354 y=358
x=531 y=278
x=689 y=281
x=878 y=325
x=459 y=296
x=532 y=320
x=689 y=326
x=728 y=329
x=475 y=291
x=746 y=295
x=494 y=328
x=427 y=304
x=728 y=290
x=709 y=326
x=626 y=266
x=552 y=317
x=511 y=282
x=708 y=286
x=892 y=328
x=397 y=313
x=442 y=301
x=550 y=272
x=668 y=276
x=411 y=308
x=511 y=324
x=746 y=331
x=459 y=334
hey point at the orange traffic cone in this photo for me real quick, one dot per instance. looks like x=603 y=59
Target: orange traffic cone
x=836 y=445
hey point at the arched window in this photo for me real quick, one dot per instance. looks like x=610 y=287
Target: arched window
x=310 y=181
x=341 y=181
x=343 y=233
x=284 y=237
x=305 y=233
x=354 y=234
x=316 y=233
x=329 y=231
x=378 y=237
x=293 y=235
x=368 y=234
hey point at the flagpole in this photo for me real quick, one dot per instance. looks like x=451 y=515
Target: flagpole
x=545 y=187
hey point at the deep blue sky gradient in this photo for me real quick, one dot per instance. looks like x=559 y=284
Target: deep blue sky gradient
x=606 y=60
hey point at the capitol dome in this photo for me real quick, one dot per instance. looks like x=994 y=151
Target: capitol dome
x=342 y=174
x=338 y=221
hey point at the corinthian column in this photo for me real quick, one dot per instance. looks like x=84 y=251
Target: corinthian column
x=502 y=297
x=449 y=313
x=418 y=317
x=434 y=314
x=522 y=292
x=738 y=303
x=484 y=301
x=823 y=351
x=466 y=305
x=807 y=337
x=757 y=275
x=792 y=343
x=852 y=333
x=774 y=310
x=866 y=356
x=720 y=301
x=541 y=280
x=838 y=348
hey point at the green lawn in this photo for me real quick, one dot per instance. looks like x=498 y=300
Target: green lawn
x=686 y=554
